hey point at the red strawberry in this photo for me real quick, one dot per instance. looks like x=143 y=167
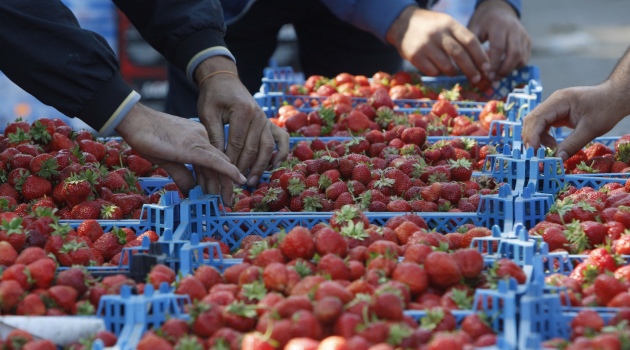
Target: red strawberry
x=109 y=244
x=444 y=107
x=76 y=190
x=461 y=169
x=302 y=151
x=443 y=271
x=140 y=166
x=298 y=243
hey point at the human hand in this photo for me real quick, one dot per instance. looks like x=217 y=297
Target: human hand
x=496 y=21
x=437 y=44
x=581 y=108
x=223 y=99
x=171 y=142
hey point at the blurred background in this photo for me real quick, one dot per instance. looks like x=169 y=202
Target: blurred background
x=574 y=42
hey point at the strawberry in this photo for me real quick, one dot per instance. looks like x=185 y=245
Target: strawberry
x=151 y=341
x=35 y=187
x=8 y=254
x=111 y=243
x=298 y=243
x=302 y=151
x=336 y=189
x=442 y=270
x=74 y=253
x=10 y=294
x=128 y=202
x=451 y=191
x=140 y=166
x=606 y=287
x=597 y=149
x=461 y=169
x=86 y=210
x=76 y=190
x=31 y=305
x=444 y=107
x=414 y=135
x=587 y=321
x=60 y=142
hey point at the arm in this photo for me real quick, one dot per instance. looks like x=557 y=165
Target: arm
x=497 y=21
x=591 y=110
x=189 y=33
x=430 y=40
x=76 y=72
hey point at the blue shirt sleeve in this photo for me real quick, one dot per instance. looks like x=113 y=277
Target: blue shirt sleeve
x=374 y=16
x=516 y=4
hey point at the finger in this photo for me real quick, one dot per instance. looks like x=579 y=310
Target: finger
x=282 y=142
x=250 y=152
x=545 y=115
x=246 y=133
x=214 y=128
x=181 y=175
x=441 y=56
x=201 y=179
x=513 y=55
x=425 y=65
x=227 y=189
x=266 y=151
x=574 y=142
x=548 y=140
x=497 y=50
x=473 y=51
x=216 y=161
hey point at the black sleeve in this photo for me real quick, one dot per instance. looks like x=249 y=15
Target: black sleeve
x=46 y=53
x=178 y=29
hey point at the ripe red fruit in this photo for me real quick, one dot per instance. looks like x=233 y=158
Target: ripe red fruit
x=298 y=243
x=442 y=269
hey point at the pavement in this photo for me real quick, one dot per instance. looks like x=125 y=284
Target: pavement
x=577 y=42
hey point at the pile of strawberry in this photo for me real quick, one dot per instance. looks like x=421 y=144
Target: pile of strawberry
x=356 y=233
x=589 y=331
x=19 y=339
x=313 y=285
x=88 y=245
x=400 y=85
x=31 y=286
x=396 y=171
x=583 y=219
x=47 y=164
x=338 y=116
x=598 y=158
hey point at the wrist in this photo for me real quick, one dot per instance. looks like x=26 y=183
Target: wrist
x=616 y=92
x=497 y=4
x=397 y=30
x=214 y=64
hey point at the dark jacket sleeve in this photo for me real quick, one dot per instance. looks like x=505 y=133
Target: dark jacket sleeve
x=46 y=53
x=179 y=29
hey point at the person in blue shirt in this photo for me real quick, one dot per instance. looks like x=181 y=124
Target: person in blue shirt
x=366 y=36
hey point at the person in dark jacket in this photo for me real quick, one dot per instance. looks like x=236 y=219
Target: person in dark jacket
x=367 y=36
x=46 y=53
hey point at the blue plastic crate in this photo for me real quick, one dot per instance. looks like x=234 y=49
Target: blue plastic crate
x=156 y=217
x=278 y=79
x=205 y=218
x=499 y=305
x=129 y=316
x=596 y=181
x=543 y=317
x=520 y=169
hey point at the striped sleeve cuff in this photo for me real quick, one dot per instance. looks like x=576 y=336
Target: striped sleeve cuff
x=201 y=56
x=119 y=114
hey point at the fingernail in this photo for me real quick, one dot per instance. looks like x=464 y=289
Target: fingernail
x=486 y=67
x=253 y=181
x=475 y=79
x=491 y=75
x=563 y=155
x=243 y=179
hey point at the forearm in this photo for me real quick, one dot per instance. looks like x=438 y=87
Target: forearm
x=374 y=16
x=46 y=53
x=516 y=5
x=185 y=32
x=618 y=85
